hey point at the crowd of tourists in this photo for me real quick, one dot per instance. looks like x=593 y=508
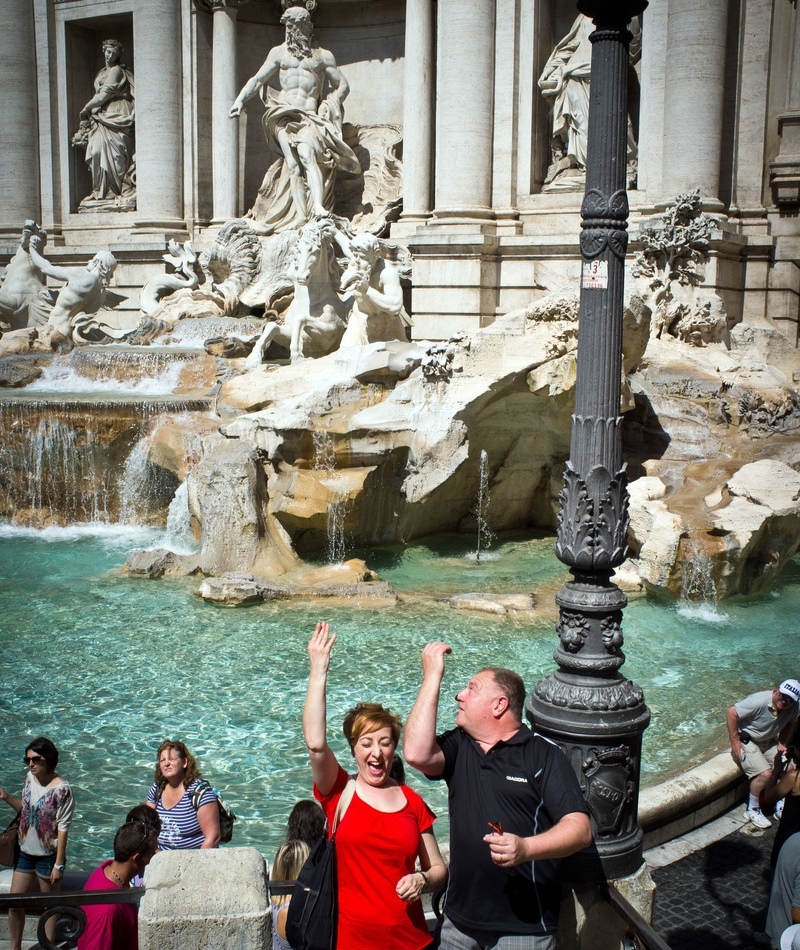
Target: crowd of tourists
x=516 y=809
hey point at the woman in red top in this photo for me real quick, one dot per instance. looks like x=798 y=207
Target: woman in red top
x=385 y=830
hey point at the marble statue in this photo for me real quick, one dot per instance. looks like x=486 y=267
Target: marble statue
x=107 y=132
x=314 y=322
x=24 y=298
x=85 y=290
x=186 y=274
x=565 y=81
x=374 y=283
x=670 y=270
x=303 y=123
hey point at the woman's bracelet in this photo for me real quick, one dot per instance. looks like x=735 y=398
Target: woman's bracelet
x=424 y=879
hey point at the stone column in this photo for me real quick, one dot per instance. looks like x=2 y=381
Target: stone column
x=693 y=103
x=19 y=118
x=224 y=130
x=159 y=114
x=464 y=125
x=418 y=86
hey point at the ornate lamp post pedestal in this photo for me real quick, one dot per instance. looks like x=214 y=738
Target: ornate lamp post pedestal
x=588 y=707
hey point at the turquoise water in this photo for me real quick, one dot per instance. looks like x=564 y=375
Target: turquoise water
x=109 y=666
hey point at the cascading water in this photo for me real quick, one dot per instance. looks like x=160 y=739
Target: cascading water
x=325 y=461
x=82 y=461
x=698 y=590
x=179 y=523
x=485 y=535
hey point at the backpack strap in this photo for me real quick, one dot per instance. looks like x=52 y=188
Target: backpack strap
x=201 y=786
x=344 y=803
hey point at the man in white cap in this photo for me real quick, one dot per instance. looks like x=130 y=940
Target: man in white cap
x=759 y=727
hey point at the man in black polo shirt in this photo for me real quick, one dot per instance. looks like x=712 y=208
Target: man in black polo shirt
x=515 y=809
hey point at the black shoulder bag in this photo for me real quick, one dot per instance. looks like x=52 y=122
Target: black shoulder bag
x=311 y=920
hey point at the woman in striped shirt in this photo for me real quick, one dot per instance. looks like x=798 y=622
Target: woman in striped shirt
x=187 y=820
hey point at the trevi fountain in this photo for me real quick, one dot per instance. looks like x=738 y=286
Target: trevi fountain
x=289 y=321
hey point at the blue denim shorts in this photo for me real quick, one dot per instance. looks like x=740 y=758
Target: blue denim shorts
x=41 y=864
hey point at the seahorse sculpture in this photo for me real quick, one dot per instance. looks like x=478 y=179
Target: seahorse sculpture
x=186 y=275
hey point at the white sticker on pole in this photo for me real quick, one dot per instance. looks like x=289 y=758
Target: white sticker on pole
x=595 y=275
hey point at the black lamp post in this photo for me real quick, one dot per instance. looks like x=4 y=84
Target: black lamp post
x=587 y=706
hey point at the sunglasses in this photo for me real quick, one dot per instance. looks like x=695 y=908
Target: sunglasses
x=33 y=759
x=147 y=833
x=497 y=827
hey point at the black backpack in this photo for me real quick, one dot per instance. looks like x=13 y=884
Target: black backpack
x=226 y=815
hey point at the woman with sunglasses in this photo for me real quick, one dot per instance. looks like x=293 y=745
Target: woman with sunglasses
x=384 y=831
x=45 y=808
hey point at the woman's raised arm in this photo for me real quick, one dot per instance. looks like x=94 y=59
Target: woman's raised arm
x=324 y=766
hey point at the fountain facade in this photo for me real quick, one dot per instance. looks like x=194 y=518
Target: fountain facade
x=444 y=338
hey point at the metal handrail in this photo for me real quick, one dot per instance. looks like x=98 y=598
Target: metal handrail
x=644 y=937
x=65 y=908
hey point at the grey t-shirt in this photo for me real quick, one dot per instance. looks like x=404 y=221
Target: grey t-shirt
x=785 y=892
x=758 y=719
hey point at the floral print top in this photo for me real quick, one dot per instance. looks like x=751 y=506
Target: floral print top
x=45 y=812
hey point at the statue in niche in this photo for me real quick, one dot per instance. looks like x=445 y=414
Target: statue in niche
x=106 y=131
x=373 y=281
x=565 y=81
x=25 y=300
x=84 y=293
x=303 y=123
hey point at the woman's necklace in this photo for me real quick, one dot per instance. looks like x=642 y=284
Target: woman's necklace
x=117 y=878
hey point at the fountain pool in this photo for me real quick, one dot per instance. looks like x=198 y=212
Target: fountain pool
x=108 y=666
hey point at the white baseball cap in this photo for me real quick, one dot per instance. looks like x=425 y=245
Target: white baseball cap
x=790 y=688
x=790 y=938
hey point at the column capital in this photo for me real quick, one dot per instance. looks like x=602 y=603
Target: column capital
x=210 y=6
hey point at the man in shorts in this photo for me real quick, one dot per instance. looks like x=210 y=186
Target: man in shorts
x=759 y=727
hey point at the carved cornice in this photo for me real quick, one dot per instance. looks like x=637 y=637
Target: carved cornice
x=620 y=695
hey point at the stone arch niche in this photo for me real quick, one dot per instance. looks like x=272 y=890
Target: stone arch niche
x=84 y=59
x=367 y=40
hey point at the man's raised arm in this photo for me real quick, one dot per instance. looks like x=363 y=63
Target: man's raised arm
x=420 y=747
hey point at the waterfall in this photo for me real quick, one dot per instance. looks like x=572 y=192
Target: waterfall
x=78 y=462
x=325 y=461
x=179 y=523
x=485 y=535
x=143 y=487
x=698 y=590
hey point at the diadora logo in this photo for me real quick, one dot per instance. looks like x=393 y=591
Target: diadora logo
x=516 y=778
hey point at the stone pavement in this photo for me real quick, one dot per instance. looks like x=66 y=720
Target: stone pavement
x=715 y=895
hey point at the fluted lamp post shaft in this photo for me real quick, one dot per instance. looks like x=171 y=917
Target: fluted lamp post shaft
x=587 y=706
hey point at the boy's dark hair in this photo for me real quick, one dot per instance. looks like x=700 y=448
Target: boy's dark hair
x=134 y=837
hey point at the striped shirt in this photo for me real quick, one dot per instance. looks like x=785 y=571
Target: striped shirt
x=180 y=829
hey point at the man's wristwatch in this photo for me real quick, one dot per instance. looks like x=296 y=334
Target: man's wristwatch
x=59 y=867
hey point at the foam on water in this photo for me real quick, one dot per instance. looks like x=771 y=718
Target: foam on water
x=64 y=378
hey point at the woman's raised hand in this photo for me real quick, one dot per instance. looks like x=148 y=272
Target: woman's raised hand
x=320 y=646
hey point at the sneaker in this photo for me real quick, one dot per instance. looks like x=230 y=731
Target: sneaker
x=757 y=817
x=779 y=807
